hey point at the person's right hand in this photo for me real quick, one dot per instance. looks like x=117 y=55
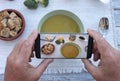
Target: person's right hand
x=109 y=65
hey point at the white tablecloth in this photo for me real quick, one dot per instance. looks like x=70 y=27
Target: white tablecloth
x=89 y=11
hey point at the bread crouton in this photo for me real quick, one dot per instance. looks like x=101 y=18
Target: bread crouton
x=1 y=26
x=17 y=28
x=4 y=22
x=3 y=15
x=18 y=21
x=13 y=15
x=13 y=33
x=11 y=24
x=5 y=32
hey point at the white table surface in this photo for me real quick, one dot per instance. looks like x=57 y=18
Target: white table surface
x=89 y=11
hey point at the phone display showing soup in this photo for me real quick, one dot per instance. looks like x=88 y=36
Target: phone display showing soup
x=70 y=50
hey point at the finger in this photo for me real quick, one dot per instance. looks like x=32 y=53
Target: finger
x=90 y=67
x=32 y=37
x=31 y=40
x=33 y=48
x=96 y=56
x=27 y=47
x=95 y=46
x=101 y=43
x=17 y=48
x=30 y=59
x=32 y=55
x=42 y=67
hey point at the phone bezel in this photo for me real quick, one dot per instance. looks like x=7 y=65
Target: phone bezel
x=90 y=47
x=37 y=47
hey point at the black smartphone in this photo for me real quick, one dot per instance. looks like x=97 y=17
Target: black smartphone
x=63 y=45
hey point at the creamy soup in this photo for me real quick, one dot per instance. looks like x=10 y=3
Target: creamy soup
x=60 y=23
x=69 y=51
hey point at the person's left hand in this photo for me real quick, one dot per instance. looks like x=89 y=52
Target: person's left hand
x=18 y=67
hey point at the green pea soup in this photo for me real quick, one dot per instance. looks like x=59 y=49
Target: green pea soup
x=61 y=21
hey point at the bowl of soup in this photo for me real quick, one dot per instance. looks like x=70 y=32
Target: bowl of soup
x=60 y=21
x=70 y=50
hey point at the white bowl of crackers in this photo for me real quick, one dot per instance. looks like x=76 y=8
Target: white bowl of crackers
x=12 y=24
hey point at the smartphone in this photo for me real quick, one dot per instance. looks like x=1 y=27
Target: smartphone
x=63 y=45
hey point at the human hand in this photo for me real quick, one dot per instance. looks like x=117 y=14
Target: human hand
x=18 y=67
x=108 y=68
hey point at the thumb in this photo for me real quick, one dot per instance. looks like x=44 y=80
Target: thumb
x=90 y=67
x=42 y=67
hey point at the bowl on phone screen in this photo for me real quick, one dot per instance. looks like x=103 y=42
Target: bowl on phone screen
x=70 y=50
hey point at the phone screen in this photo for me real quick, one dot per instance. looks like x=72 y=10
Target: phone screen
x=64 y=46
